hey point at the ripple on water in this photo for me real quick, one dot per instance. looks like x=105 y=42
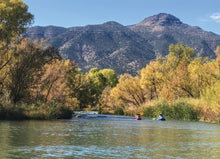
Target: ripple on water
x=109 y=137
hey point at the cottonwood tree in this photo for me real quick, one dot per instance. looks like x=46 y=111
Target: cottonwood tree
x=14 y=18
x=152 y=79
x=26 y=68
x=128 y=92
x=53 y=82
x=176 y=72
x=111 y=77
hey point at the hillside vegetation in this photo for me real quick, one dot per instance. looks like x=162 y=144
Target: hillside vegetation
x=125 y=49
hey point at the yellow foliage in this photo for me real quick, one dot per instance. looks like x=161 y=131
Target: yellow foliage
x=177 y=76
x=15 y=1
x=128 y=92
x=14 y=18
x=217 y=51
x=152 y=78
x=53 y=82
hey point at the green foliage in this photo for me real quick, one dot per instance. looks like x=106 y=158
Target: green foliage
x=88 y=87
x=159 y=106
x=150 y=112
x=209 y=107
x=181 y=110
x=178 y=109
x=14 y=18
x=56 y=111
x=12 y=112
x=95 y=83
x=181 y=52
x=42 y=111
x=119 y=111
x=111 y=77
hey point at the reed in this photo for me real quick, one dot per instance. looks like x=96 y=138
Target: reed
x=179 y=110
x=39 y=111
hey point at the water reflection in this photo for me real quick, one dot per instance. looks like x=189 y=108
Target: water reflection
x=109 y=137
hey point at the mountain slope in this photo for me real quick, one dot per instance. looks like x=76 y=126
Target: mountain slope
x=109 y=45
x=126 y=49
x=163 y=29
x=48 y=32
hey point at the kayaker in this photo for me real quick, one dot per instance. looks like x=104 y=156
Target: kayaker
x=161 y=117
x=138 y=117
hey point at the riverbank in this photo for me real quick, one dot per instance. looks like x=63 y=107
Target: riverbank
x=38 y=111
x=182 y=109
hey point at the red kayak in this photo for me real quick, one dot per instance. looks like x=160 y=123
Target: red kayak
x=138 y=118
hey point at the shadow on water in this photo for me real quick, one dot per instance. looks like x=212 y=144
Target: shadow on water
x=109 y=136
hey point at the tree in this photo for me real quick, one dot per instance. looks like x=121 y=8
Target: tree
x=96 y=83
x=181 y=51
x=53 y=83
x=152 y=79
x=218 y=64
x=75 y=83
x=14 y=18
x=26 y=67
x=176 y=81
x=87 y=88
x=111 y=77
x=217 y=51
x=128 y=92
x=210 y=108
x=178 y=53
x=180 y=84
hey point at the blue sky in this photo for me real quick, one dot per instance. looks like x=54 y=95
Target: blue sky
x=69 y=13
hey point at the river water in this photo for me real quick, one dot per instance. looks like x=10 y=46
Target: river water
x=106 y=136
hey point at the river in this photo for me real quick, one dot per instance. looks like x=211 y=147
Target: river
x=107 y=136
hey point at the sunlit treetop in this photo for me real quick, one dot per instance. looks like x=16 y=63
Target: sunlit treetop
x=14 y=18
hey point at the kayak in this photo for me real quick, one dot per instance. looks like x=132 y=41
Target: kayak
x=138 y=118
x=161 y=118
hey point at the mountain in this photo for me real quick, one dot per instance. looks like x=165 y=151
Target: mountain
x=109 y=45
x=126 y=49
x=48 y=32
x=163 y=29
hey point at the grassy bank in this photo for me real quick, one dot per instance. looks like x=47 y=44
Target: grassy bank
x=35 y=111
x=178 y=110
x=182 y=109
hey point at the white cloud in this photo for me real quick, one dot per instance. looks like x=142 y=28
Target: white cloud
x=216 y=17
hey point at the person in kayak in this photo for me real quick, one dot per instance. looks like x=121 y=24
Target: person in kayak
x=138 y=117
x=161 y=117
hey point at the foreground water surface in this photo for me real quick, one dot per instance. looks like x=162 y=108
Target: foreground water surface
x=106 y=136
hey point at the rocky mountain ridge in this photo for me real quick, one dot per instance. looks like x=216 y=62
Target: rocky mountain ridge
x=126 y=49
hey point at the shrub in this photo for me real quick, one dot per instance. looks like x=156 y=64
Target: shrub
x=149 y=112
x=159 y=106
x=12 y=112
x=178 y=109
x=119 y=111
x=63 y=112
x=182 y=110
